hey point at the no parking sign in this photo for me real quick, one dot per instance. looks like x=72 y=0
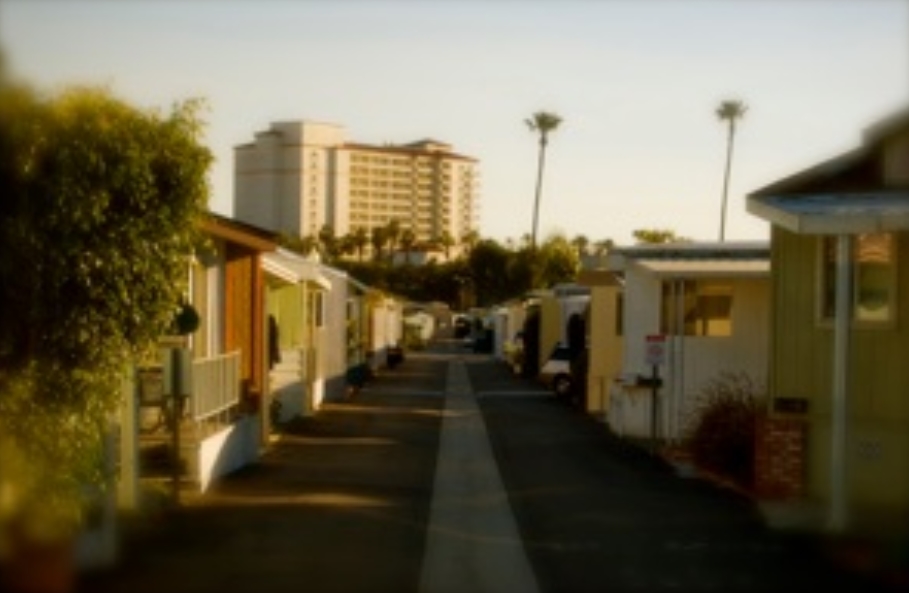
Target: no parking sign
x=655 y=349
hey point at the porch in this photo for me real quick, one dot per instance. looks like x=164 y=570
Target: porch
x=214 y=434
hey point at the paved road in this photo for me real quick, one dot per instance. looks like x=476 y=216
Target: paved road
x=344 y=502
x=599 y=515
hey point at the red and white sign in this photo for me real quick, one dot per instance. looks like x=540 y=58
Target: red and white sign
x=655 y=349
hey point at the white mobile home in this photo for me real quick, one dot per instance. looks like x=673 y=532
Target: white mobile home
x=706 y=307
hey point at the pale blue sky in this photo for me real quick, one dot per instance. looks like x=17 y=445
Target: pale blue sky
x=636 y=81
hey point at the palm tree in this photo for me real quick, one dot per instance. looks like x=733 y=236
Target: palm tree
x=581 y=242
x=360 y=241
x=542 y=122
x=469 y=240
x=602 y=247
x=407 y=241
x=729 y=111
x=393 y=235
x=447 y=242
x=379 y=238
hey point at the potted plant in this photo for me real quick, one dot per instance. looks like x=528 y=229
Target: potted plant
x=99 y=214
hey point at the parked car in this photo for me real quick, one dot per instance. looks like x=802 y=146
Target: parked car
x=514 y=352
x=395 y=355
x=461 y=326
x=556 y=371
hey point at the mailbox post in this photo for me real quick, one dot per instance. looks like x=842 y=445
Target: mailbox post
x=176 y=365
x=655 y=354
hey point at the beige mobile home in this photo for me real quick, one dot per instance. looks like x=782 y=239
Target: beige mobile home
x=605 y=340
x=557 y=306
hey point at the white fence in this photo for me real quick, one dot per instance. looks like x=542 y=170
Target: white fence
x=215 y=386
x=229 y=440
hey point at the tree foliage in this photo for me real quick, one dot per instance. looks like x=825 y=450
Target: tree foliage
x=657 y=236
x=729 y=111
x=559 y=260
x=98 y=216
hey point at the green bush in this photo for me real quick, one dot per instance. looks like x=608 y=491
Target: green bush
x=722 y=429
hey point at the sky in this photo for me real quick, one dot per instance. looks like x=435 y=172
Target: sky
x=636 y=82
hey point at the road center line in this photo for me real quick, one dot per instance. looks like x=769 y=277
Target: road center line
x=472 y=543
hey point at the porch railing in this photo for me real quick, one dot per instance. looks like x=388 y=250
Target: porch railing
x=215 y=386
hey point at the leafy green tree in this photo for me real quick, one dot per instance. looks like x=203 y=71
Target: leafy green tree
x=488 y=264
x=98 y=217
x=730 y=112
x=543 y=123
x=657 y=236
x=523 y=272
x=602 y=247
x=559 y=261
x=581 y=243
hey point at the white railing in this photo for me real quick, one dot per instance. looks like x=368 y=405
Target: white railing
x=215 y=386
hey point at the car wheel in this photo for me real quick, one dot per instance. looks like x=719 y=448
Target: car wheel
x=562 y=386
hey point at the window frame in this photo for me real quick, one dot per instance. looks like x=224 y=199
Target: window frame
x=698 y=290
x=825 y=305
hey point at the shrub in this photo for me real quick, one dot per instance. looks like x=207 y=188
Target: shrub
x=723 y=423
x=99 y=214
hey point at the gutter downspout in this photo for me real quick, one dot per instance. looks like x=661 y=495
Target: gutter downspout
x=841 y=343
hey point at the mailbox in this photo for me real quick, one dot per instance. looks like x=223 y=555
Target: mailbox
x=646 y=381
x=151 y=386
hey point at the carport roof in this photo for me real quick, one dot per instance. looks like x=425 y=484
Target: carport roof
x=706 y=268
x=693 y=259
x=293 y=268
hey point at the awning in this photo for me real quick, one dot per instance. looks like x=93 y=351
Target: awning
x=707 y=268
x=834 y=214
x=293 y=268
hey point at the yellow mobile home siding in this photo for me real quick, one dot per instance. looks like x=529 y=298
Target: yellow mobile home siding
x=287 y=304
x=606 y=346
x=802 y=354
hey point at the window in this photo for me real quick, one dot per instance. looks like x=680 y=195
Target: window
x=704 y=308
x=873 y=282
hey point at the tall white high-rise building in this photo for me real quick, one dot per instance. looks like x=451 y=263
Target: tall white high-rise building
x=297 y=177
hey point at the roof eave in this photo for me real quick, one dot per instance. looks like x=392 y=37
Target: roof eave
x=783 y=211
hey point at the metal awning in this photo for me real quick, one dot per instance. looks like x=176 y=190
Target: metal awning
x=834 y=214
x=293 y=268
x=707 y=268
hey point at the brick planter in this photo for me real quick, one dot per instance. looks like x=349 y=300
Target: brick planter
x=780 y=457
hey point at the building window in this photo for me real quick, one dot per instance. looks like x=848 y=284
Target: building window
x=702 y=308
x=873 y=281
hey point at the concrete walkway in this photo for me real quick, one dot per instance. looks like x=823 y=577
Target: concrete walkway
x=473 y=543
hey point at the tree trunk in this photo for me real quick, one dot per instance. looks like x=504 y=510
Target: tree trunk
x=729 y=142
x=536 y=205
